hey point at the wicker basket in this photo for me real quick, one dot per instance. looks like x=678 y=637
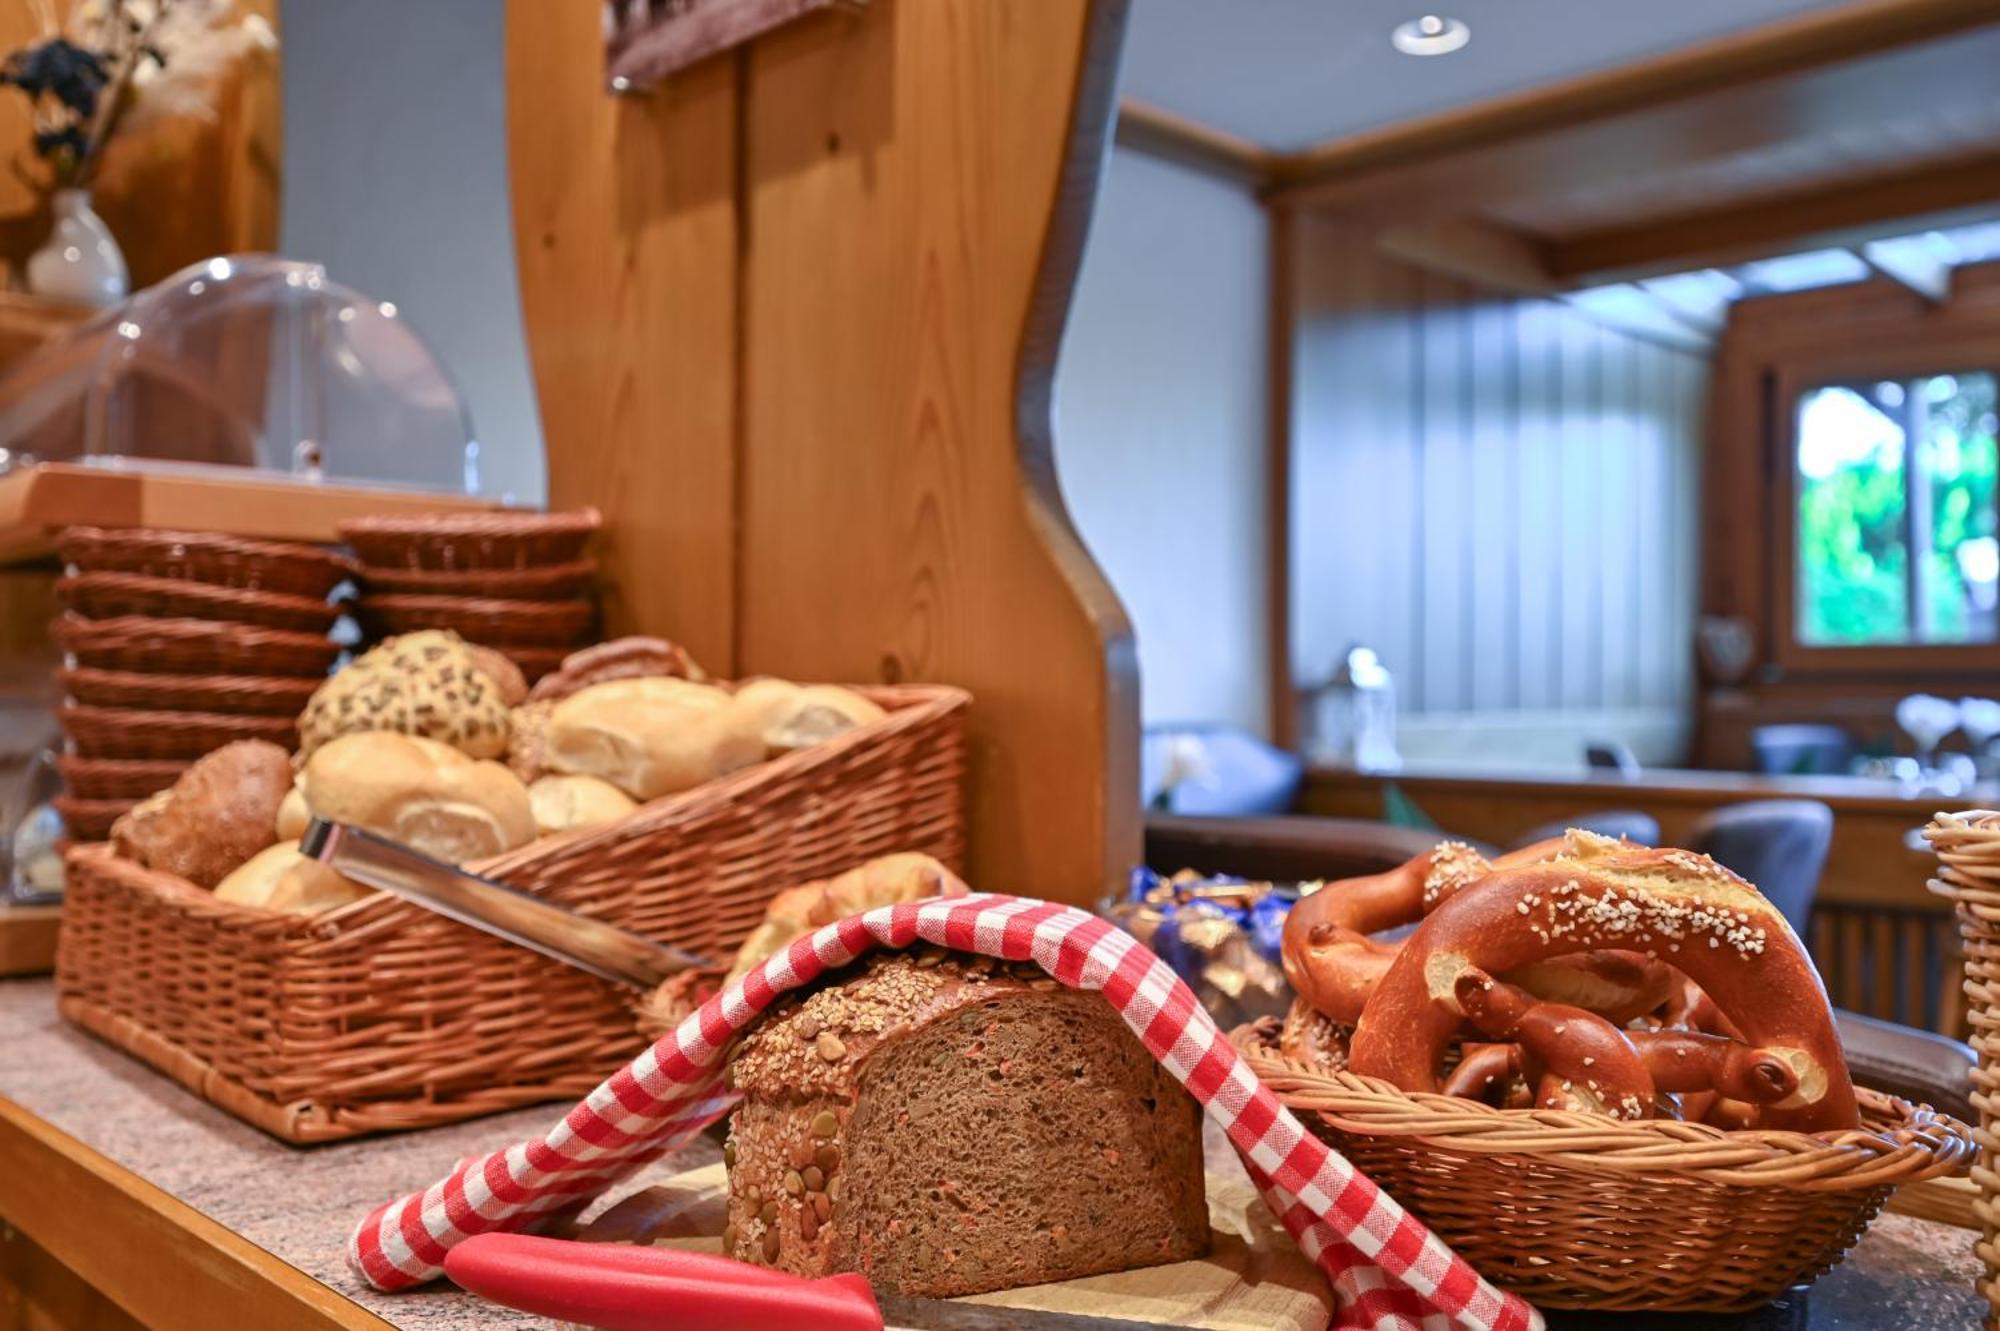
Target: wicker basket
x=252 y=695
x=380 y=1015
x=108 y=595
x=192 y=646
x=1968 y=851
x=219 y=561
x=1574 y=1210
x=118 y=778
x=116 y=732
x=497 y=624
x=460 y=541
x=554 y=582
x=90 y=819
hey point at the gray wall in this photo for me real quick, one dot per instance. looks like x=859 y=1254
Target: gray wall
x=1160 y=431
x=396 y=179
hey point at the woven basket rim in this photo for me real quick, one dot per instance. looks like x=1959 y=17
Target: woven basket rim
x=910 y=705
x=473 y=525
x=168 y=540
x=70 y=624
x=497 y=607
x=152 y=584
x=1907 y=1142
x=393 y=577
x=219 y=683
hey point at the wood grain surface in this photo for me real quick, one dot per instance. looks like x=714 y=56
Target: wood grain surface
x=793 y=320
x=159 y=1260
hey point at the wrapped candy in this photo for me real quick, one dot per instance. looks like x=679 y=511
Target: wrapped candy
x=1219 y=933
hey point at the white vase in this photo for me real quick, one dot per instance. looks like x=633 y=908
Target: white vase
x=79 y=262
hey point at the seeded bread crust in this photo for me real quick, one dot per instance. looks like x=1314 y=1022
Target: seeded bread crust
x=905 y=1120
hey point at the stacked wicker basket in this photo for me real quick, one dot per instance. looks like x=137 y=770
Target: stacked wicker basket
x=516 y=582
x=176 y=643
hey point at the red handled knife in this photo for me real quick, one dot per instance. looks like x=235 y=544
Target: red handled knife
x=619 y=1287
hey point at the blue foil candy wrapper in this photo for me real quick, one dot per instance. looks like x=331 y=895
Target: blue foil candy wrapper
x=1221 y=934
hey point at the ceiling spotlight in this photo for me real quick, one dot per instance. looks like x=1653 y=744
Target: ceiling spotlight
x=1430 y=35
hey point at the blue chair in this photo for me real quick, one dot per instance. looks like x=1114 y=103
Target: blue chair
x=1780 y=845
x=1237 y=776
x=1631 y=824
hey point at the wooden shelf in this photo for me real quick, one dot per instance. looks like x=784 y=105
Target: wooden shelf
x=28 y=939
x=36 y=501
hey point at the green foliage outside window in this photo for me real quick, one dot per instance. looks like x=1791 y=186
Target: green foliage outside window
x=1854 y=512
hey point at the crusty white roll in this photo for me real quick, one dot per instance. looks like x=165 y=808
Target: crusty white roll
x=280 y=878
x=427 y=795
x=796 y=716
x=650 y=737
x=293 y=815
x=568 y=802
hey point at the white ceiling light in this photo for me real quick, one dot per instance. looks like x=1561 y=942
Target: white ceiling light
x=1430 y=35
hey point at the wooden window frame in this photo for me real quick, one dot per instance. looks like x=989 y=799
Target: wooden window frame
x=1943 y=352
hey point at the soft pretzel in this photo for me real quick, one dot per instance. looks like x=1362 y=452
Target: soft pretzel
x=1669 y=905
x=1334 y=965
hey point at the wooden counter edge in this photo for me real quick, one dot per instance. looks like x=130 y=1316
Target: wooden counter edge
x=28 y=939
x=162 y=1261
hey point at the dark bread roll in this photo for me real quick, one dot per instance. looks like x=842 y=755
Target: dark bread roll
x=907 y=1118
x=221 y=811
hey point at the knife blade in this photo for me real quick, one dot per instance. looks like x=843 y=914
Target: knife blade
x=590 y=945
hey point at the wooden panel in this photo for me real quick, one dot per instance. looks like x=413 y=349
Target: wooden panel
x=899 y=512
x=1158 y=132
x=159 y=1260
x=625 y=229
x=38 y=1293
x=1487 y=489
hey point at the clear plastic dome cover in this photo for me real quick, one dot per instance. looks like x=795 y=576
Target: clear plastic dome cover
x=246 y=361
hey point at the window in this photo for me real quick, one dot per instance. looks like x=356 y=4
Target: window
x=1896 y=530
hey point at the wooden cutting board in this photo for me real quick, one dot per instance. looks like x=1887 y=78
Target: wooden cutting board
x=1254 y=1278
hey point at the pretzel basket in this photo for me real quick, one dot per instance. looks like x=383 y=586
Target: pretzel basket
x=381 y=1015
x=1575 y=1210
x=1968 y=851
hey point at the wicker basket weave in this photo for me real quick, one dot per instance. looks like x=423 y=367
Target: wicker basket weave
x=496 y=624
x=251 y=695
x=118 y=778
x=380 y=1015
x=461 y=541
x=202 y=557
x=1968 y=851
x=553 y=582
x=117 y=732
x=108 y=595
x=192 y=646
x=1574 y=1210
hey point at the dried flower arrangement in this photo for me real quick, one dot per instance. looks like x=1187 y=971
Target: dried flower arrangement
x=110 y=67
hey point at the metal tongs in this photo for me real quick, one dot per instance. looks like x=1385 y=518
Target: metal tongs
x=591 y=945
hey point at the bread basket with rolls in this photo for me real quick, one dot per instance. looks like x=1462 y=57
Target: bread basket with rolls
x=1607 y=1075
x=624 y=786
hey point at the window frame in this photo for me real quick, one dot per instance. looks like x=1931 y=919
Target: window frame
x=1955 y=353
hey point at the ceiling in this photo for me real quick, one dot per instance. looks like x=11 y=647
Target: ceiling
x=1288 y=74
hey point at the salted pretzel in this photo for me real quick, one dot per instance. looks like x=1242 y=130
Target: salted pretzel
x=1334 y=965
x=1786 y=1070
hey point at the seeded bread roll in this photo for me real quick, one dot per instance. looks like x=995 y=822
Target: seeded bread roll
x=429 y=684
x=650 y=737
x=219 y=813
x=948 y=1125
x=427 y=795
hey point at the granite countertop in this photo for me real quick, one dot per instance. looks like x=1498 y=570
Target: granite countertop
x=301 y=1203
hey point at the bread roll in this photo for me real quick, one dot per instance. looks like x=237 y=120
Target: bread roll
x=293 y=815
x=886 y=881
x=566 y=803
x=527 y=738
x=502 y=672
x=280 y=878
x=621 y=658
x=796 y=716
x=427 y=684
x=651 y=737
x=221 y=811
x=427 y=795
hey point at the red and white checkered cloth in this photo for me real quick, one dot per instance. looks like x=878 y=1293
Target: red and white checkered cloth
x=1388 y=1272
